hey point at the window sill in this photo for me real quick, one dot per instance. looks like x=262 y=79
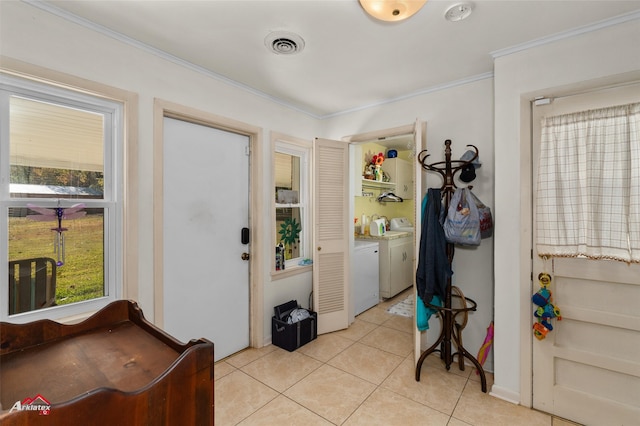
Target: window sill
x=63 y=314
x=294 y=270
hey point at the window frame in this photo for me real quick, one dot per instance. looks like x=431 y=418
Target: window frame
x=302 y=149
x=112 y=201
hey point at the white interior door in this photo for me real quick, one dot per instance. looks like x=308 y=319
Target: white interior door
x=331 y=268
x=205 y=206
x=587 y=369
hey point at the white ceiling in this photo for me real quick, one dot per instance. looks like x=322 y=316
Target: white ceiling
x=350 y=60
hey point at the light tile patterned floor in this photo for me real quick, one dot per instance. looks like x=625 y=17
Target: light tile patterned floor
x=360 y=376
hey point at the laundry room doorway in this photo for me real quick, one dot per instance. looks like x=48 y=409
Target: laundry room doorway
x=409 y=139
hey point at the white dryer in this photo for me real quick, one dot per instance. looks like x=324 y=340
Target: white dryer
x=401 y=224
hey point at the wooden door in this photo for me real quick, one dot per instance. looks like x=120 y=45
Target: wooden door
x=206 y=204
x=587 y=368
x=331 y=268
x=420 y=143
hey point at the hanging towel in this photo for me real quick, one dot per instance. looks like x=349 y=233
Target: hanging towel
x=423 y=312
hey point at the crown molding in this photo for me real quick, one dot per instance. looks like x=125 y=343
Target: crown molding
x=432 y=89
x=47 y=7
x=596 y=26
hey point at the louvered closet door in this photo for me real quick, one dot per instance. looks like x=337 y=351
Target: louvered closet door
x=331 y=219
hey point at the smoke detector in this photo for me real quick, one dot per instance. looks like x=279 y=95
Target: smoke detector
x=284 y=43
x=458 y=12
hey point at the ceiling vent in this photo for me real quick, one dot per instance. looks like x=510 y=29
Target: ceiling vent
x=284 y=43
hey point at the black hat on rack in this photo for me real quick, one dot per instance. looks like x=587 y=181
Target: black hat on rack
x=468 y=155
x=468 y=173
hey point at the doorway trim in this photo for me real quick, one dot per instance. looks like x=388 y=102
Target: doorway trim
x=419 y=339
x=162 y=109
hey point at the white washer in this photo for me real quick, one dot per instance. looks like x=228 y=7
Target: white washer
x=366 y=275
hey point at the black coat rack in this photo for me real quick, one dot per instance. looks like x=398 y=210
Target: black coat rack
x=451 y=331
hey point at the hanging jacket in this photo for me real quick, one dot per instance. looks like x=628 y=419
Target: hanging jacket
x=433 y=265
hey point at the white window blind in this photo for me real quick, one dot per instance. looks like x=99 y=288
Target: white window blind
x=47 y=135
x=588 y=199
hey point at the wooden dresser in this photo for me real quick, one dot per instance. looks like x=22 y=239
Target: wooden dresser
x=114 y=368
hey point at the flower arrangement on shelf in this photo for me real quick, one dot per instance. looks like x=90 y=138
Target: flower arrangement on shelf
x=373 y=169
x=377 y=159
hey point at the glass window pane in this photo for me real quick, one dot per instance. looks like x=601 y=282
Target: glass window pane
x=76 y=248
x=55 y=151
x=291 y=187
x=287 y=172
x=289 y=231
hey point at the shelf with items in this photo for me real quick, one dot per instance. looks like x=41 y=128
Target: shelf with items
x=368 y=183
x=382 y=191
x=364 y=187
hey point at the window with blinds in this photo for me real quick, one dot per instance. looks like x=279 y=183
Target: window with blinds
x=291 y=200
x=58 y=195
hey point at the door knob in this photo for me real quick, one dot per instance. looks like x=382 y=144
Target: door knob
x=245 y=256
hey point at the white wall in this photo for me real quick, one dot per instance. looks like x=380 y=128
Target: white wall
x=585 y=61
x=463 y=114
x=40 y=38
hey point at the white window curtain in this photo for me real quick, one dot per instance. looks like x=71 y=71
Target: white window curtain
x=588 y=198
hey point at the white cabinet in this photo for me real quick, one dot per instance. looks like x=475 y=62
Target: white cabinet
x=396 y=265
x=401 y=173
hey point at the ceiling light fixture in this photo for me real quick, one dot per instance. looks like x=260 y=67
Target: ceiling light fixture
x=392 y=10
x=458 y=12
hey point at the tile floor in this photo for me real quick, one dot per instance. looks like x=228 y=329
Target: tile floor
x=363 y=375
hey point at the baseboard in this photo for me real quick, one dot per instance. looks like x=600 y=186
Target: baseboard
x=505 y=394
